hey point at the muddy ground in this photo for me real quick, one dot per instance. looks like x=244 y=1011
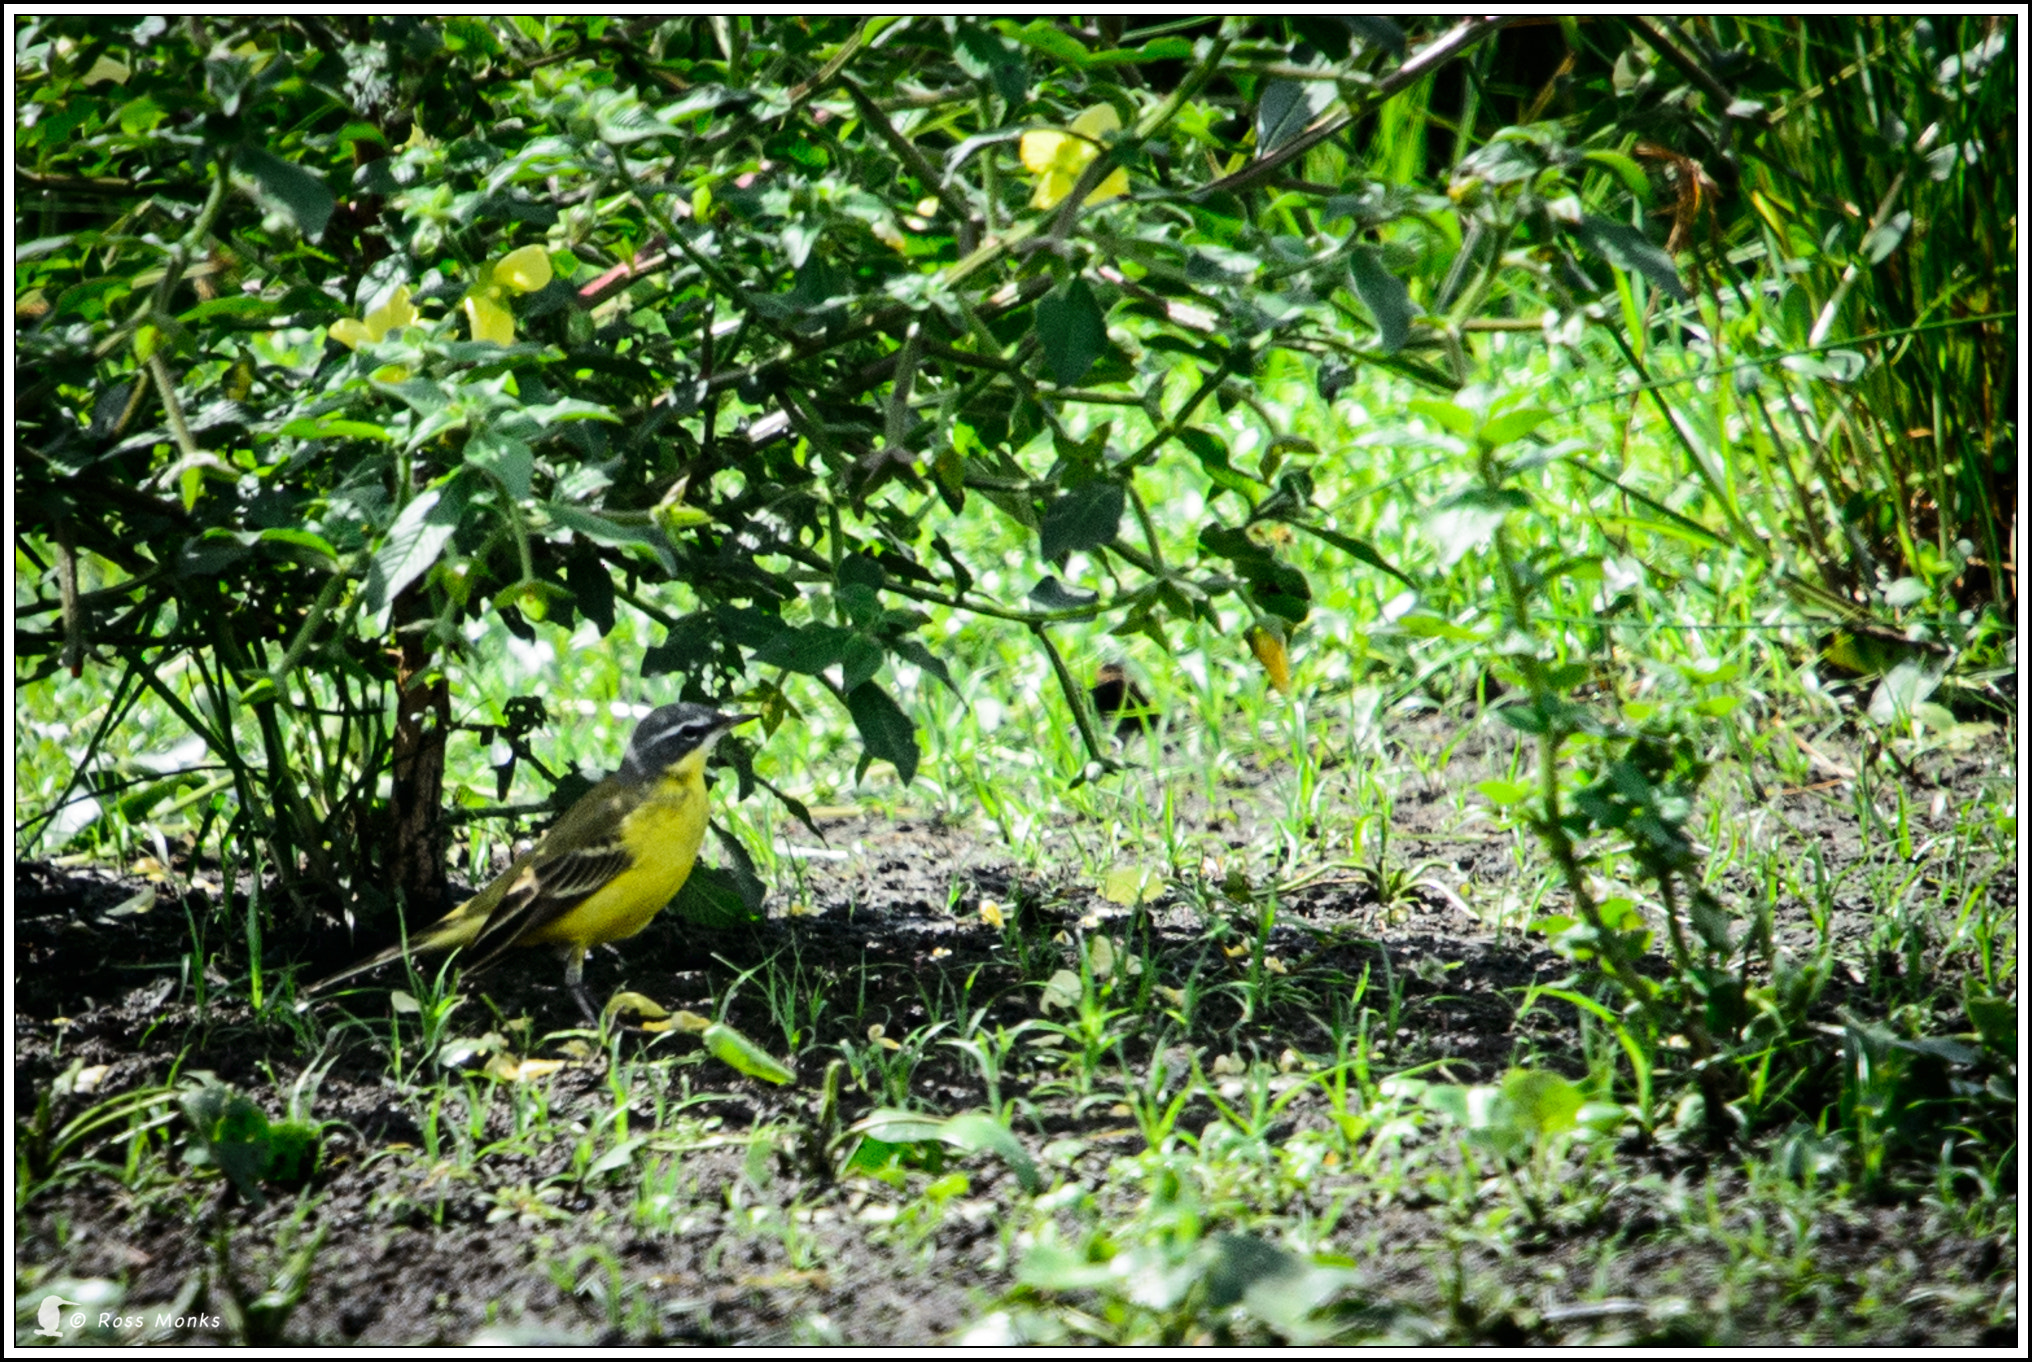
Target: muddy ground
x=420 y=1252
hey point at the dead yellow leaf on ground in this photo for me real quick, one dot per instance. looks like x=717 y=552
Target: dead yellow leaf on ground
x=509 y=1069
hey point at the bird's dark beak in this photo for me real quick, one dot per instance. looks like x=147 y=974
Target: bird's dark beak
x=736 y=720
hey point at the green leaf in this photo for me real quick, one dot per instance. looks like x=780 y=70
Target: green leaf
x=1627 y=170
x=506 y=457
x=1468 y=519
x=1042 y=35
x=1455 y=418
x=332 y=428
x=1512 y=425
x=1884 y=239
x=643 y=539
x=808 y=650
x=413 y=544
x=984 y=56
x=712 y=897
x=42 y=245
x=1995 y=1019
x=1286 y=107
x=1081 y=519
x=1052 y=594
x=1630 y=250
x=289 y=187
x=212 y=552
x=1357 y=549
x=887 y=734
x=238 y=306
x=976 y=1132
x=1541 y=1103
x=569 y=409
x=892 y=1125
x=1384 y=294
x=1901 y=690
x=302 y=546
x=1071 y=330
x=1052 y=1265
x=912 y=651
x=971 y=1132
x=736 y=1051
x=1212 y=452
x=860 y=659
x=1425 y=624
x=1504 y=793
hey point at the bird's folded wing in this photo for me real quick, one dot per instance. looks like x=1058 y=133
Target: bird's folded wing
x=547 y=889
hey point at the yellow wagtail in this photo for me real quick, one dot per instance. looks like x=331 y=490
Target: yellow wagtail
x=604 y=869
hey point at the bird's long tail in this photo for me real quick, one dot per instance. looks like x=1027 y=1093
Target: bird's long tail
x=457 y=928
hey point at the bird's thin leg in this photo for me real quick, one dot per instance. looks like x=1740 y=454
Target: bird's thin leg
x=575 y=980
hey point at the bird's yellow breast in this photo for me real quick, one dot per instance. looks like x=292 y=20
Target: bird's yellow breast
x=662 y=835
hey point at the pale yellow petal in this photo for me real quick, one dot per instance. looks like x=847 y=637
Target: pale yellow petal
x=1097 y=120
x=394 y=314
x=488 y=320
x=1052 y=187
x=1040 y=150
x=350 y=332
x=1116 y=185
x=525 y=271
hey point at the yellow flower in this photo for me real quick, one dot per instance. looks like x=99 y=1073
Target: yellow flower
x=486 y=304
x=392 y=315
x=1059 y=158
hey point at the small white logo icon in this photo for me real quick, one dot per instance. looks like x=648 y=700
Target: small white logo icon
x=50 y=1315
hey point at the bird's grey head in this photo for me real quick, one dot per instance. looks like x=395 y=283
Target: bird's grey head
x=670 y=734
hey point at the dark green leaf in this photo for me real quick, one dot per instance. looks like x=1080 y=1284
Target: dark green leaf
x=988 y=56
x=1081 y=519
x=592 y=588
x=413 y=544
x=643 y=539
x=301 y=546
x=808 y=650
x=912 y=651
x=1072 y=331
x=712 y=897
x=212 y=552
x=1052 y=594
x=1212 y=453
x=504 y=456
x=1285 y=108
x=886 y=731
x=1629 y=249
x=1384 y=294
x=860 y=659
x=1355 y=548
x=290 y=187
x=1376 y=31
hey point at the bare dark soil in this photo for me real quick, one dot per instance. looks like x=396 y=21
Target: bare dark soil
x=501 y=1247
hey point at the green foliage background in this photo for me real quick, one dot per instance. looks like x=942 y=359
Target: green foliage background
x=808 y=313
